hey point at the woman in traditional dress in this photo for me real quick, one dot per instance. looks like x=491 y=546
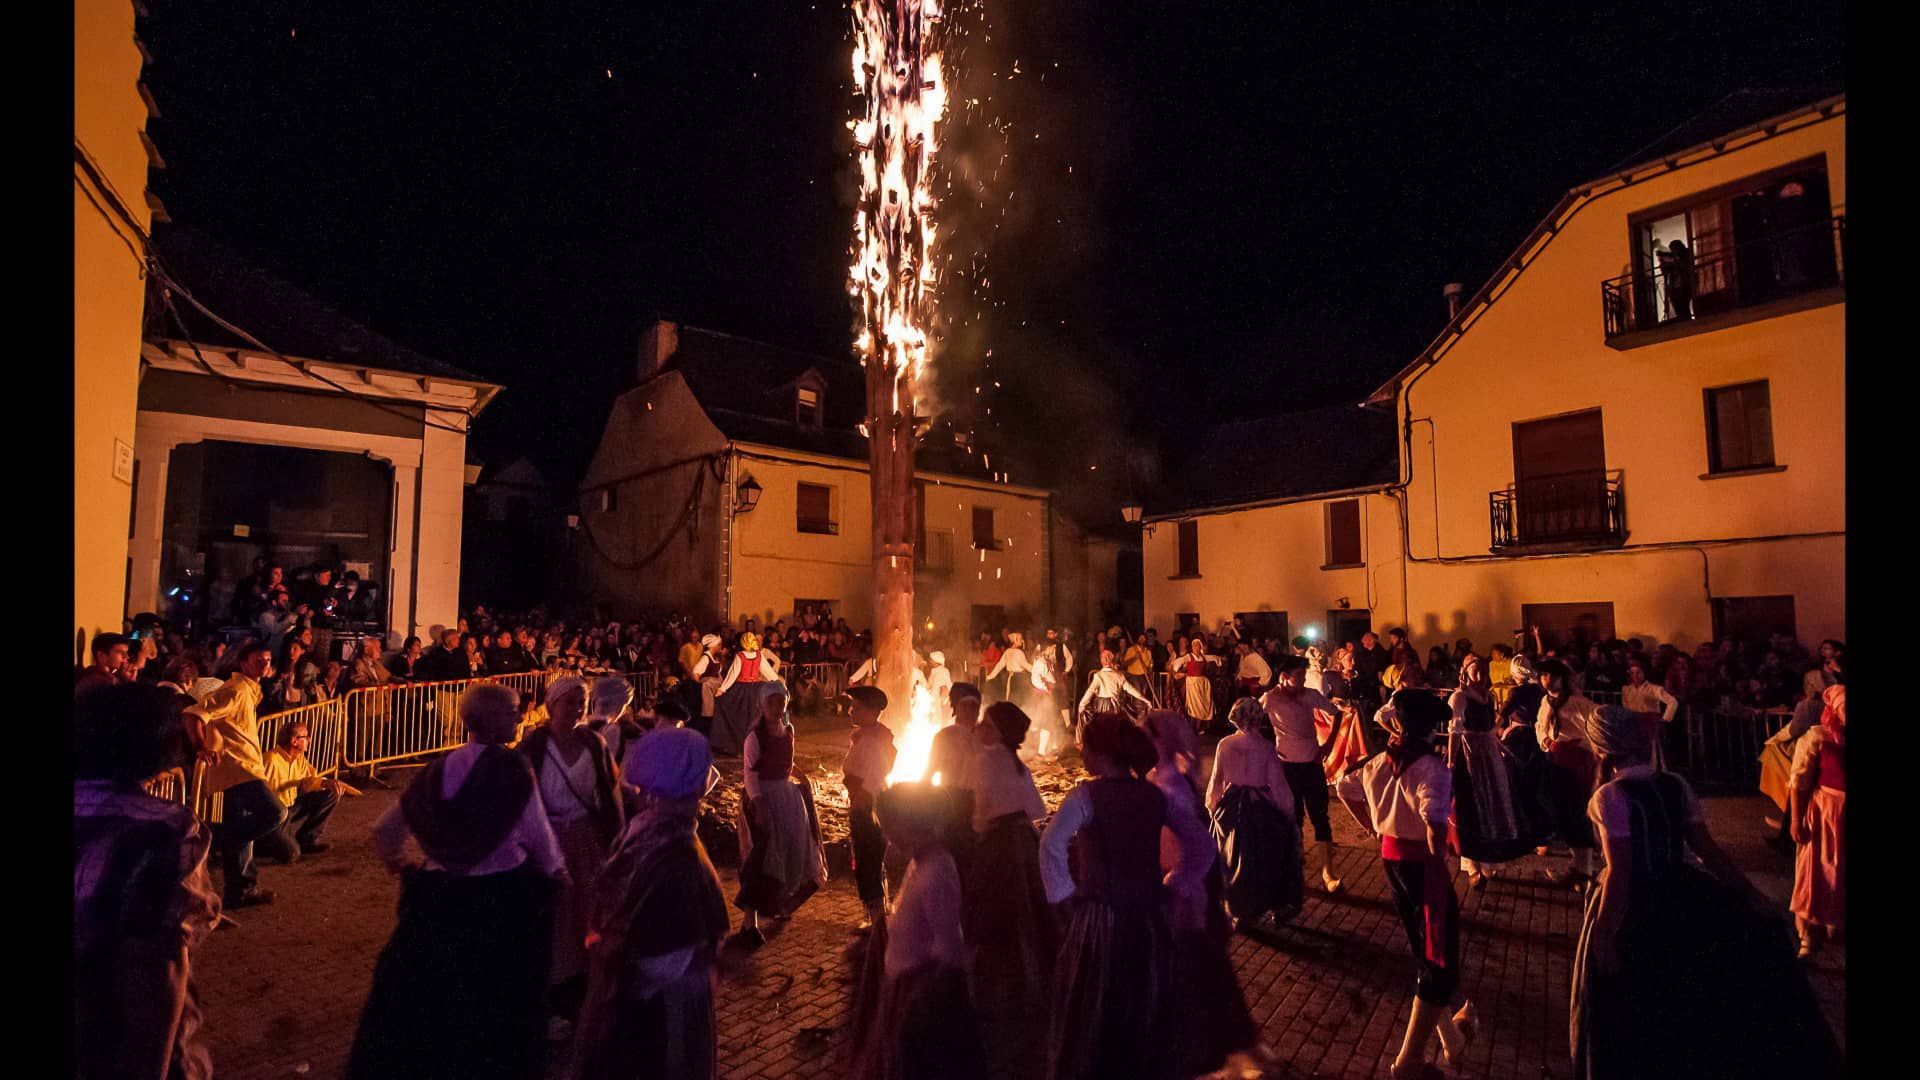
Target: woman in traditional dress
x=1492 y=828
x=580 y=792
x=1251 y=811
x=737 y=696
x=1108 y=690
x=1405 y=796
x=1191 y=672
x=1818 y=812
x=1680 y=971
x=925 y=1027
x=1011 y=676
x=781 y=860
x=457 y=991
x=658 y=920
x=1214 y=1027
x=1112 y=1002
x=1008 y=923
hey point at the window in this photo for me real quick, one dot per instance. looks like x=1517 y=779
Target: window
x=1752 y=618
x=1757 y=239
x=1189 y=541
x=807 y=407
x=983 y=537
x=813 y=509
x=1739 y=428
x=937 y=553
x=1343 y=534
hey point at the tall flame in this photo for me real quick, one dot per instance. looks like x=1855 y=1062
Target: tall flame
x=916 y=742
x=897 y=72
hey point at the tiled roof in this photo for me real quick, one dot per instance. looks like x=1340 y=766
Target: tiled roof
x=747 y=389
x=1297 y=455
x=282 y=316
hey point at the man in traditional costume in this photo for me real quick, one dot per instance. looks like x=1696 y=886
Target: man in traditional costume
x=870 y=756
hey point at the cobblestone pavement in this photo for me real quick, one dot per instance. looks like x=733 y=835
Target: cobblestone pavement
x=282 y=991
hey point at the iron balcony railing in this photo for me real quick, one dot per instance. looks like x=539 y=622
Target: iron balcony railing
x=1586 y=507
x=1783 y=264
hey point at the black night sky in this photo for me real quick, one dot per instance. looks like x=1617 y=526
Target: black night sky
x=1206 y=211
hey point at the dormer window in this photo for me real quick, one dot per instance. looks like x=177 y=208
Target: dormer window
x=807 y=406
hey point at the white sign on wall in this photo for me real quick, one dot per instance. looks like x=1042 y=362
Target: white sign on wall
x=122 y=462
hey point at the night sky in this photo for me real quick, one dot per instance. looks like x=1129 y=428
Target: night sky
x=1204 y=211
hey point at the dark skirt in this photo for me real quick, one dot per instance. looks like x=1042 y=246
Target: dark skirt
x=1211 y=1016
x=925 y=1028
x=1707 y=989
x=1485 y=778
x=1569 y=783
x=1007 y=920
x=1112 y=995
x=672 y=1029
x=1260 y=847
x=1428 y=910
x=458 y=991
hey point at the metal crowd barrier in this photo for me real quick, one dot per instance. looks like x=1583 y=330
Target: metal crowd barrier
x=1725 y=746
x=817 y=683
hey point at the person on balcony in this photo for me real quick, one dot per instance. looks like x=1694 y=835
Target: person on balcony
x=1676 y=270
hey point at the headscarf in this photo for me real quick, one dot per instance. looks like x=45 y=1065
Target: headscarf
x=939 y=658
x=749 y=642
x=559 y=686
x=203 y=686
x=670 y=763
x=1834 y=717
x=1616 y=733
x=1244 y=716
x=708 y=641
x=1522 y=670
x=609 y=697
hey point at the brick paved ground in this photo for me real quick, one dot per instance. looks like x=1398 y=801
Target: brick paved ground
x=282 y=992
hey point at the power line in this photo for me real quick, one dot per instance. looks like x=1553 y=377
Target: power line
x=157 y=268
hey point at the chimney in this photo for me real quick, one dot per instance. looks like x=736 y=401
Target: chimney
x=1452 y=291
x=657 y=345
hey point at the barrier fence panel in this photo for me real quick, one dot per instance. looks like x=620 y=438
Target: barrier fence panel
x=1728 y=742
x=816 y=685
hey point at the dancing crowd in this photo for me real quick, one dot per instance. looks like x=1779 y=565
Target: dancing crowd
x=570 y=851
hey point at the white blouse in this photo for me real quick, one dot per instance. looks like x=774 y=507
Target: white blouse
x=1244 y=760
x=925 y=925
x=530 y=841
x=1402 y=806
x=562 y=786
x=1002 y=786
x=1014 y=660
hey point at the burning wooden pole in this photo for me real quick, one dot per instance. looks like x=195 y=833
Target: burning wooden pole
x=896 y=70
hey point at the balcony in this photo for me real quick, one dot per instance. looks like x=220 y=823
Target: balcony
x=1790 y=270
x=1567 y=512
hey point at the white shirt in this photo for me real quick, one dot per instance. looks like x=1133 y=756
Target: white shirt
x=925 y=925
x=563 y=786
x=1074 y=813
x=1245 y=760
x=1612 y=814
x=1649 y=697
x=1568 y=724
x=1002 y=786
x=867 y=670
x=1042 y=675
x=869 y=757
x=1294 y=735
x=531 y=839
x=939 y=683
x=1014 y=660
x=1402 y=806
x=1109 y=684
x=769 y=669
x=1253 y=666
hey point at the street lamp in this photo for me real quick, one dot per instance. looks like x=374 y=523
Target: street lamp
x=1132 y=513
x=746 y=495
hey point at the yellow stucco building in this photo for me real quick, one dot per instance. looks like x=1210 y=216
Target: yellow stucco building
x=111 y=156
x=1636 y=428
x=732 y=482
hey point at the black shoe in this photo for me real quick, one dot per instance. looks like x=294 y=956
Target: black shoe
x=250 y=898
x=751 y=938
x=314 y=847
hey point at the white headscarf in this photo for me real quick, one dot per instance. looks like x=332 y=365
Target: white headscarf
x=559 y=686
